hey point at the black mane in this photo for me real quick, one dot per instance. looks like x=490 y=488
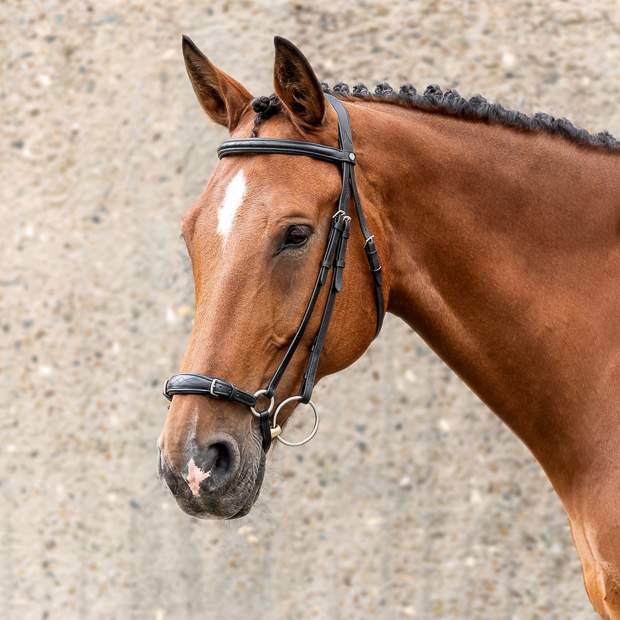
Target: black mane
x=451 y=103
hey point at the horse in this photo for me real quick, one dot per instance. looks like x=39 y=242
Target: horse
x=498 y=237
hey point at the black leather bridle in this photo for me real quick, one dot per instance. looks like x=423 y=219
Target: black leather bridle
x=213 y=387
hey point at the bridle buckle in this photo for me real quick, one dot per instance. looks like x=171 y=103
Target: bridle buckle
x=212 y=388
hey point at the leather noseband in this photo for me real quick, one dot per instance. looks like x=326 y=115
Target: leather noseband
x=213 y=387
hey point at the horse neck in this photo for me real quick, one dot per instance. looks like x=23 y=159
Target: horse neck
x=503 y=256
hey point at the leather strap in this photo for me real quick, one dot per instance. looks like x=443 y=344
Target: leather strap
x=346 y=142
x=265 y=429
x=332 y=243
x=193 y=383
x=276 y=146
x=316 y=349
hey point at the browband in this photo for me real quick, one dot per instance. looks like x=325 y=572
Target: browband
x=275 y=146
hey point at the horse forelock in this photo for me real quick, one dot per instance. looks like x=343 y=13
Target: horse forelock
x=264 y=108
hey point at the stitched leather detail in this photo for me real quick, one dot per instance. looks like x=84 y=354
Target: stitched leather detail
x=194 y=383
x=276 y=146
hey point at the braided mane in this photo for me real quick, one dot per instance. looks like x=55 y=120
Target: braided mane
x=450 y=102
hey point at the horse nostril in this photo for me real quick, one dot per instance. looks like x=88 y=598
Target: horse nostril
x=221 y=459
x=223 y=455
x=217 y=465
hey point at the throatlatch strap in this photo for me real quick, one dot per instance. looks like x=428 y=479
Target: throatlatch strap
x=373 y=259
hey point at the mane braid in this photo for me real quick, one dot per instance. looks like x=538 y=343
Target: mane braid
x=450 y=102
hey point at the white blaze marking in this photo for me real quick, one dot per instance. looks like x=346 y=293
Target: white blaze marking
x=191 y=435
x=233 y=198
x=195 y=476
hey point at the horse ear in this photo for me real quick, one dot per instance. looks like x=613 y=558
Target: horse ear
x=221 y=97
x=296 y=85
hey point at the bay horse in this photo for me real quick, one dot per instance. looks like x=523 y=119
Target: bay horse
x=499 y=241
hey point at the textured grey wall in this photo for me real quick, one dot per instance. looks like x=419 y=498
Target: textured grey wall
x=413 y=501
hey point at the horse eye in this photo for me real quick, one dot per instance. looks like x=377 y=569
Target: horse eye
x=296 y=236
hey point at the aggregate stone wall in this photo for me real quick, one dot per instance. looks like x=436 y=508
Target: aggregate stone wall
x=413 y=501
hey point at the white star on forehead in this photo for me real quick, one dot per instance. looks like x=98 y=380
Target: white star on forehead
x=233 y=199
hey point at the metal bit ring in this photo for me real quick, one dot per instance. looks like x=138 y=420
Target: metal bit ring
x=314 y=430
x=271 y=404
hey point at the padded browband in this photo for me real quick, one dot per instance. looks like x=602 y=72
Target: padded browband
x=275 y=146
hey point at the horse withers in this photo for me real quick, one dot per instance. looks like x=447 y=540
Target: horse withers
x=499 y=241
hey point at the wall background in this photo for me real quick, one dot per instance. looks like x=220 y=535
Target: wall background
x=413 y=501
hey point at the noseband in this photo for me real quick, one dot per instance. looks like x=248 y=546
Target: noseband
x=212 y=387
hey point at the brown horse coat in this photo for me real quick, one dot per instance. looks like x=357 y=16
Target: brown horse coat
x=500 y=247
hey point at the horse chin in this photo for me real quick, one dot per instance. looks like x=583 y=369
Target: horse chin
x=233 y=503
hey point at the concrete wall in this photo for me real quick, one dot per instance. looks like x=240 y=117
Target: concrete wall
x=413 y=501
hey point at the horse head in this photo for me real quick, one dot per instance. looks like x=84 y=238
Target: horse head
x=257 y=238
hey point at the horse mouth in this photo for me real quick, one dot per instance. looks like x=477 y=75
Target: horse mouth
x=234 y=502
x=253 y=495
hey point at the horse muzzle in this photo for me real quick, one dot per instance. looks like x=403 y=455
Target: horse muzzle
x=214 y=482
